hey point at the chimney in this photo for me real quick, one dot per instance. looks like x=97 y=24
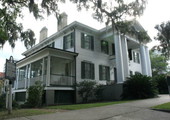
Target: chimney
x=62 y=22
x=43 y=34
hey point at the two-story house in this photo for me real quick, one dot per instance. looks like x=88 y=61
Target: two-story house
x=78 y=52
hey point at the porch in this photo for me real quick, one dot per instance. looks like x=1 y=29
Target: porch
x=53 y=67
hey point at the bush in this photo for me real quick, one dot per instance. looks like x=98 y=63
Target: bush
x=86 y=89
x=161 y=84
x=139 y=86
x=2 y=101
x=35 y=95
x=98 y=92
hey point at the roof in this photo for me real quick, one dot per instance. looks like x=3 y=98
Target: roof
x=73 y=25
x=2 y=75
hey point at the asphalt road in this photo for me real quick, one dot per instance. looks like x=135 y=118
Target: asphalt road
x=137 y=110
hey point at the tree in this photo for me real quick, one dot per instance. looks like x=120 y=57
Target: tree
x=163 y=36
x=158 y=63
x=11 y=10
x=117 y=13
x=86 y=89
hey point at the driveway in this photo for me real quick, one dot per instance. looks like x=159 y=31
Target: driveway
x=137 y=110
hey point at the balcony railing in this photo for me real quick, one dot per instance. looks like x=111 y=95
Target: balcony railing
x=62 y=80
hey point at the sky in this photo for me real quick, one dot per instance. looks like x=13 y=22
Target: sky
x=156 y=12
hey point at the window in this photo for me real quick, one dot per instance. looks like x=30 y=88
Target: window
x=87 y=41
x=68 y=41
x=113 y=49
x=22 y=73
x=36 y=68
x=136 y=57
x=130 y=54
x=104 y=72
x=131 y=73
x=87 y=70
x=104 y=47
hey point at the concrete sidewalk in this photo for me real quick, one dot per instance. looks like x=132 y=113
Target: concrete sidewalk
x=137 y=110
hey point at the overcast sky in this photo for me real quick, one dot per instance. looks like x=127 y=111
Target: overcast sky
x=157 y=11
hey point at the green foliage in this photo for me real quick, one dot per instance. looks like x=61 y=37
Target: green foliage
x=86 y=89
x=2 y=101
x=11 y=10
x=158 y=64
x=116 y=12
x=161 y=83
x=139 y=86
x=163 y=36
x=98 y=92
x=35 y=95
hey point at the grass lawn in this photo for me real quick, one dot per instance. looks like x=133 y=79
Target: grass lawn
x=165 y=106
x=23 y=112
x=84 y=106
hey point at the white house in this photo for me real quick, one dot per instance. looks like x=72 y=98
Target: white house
x=78 y=52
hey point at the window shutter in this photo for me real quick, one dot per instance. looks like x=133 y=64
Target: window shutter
x=100 y=72
x=130 y=54
x=93 y=71
x=138 y=58
x=82 y=70
x=72 y=39
x=113 y=49
x=108 y=73
x=92 y=43
x=82 y=40
x=64 y=42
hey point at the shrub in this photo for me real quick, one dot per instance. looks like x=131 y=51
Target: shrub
x=35 y=95
x=161 y=83
x=98 y=92
x=86 y=89
x=2 y=101
x=139 y=86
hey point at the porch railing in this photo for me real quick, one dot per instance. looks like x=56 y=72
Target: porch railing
x=62 y=80
x=21 y=84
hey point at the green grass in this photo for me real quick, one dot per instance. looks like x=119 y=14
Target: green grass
x=84 y=106
x=165 y=106
x=23 y=112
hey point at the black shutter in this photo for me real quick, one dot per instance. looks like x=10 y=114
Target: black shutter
x=72 y=39
x=93 y=71
x=64 y=42
x=82 y=70
x=102 y=46
x=92 y=43
x=100 y=72
x=130 y=54
x=82 y=40
x=113 y=49
x=108 y=73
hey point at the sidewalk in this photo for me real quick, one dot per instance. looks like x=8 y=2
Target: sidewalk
x=137 y=110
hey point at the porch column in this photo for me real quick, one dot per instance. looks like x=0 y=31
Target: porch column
x=148 y=61
x=119 y=58
x=17 y=78
x=42 y=78
x=48 y=71
x=125 y=57
x=143 y=60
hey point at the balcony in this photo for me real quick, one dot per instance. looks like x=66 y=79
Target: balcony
x=62 y=80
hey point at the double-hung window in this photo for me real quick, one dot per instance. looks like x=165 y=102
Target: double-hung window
x=87 y=70
x=136 y=58
x=87 y=41
x=104 y=47
x=104 y=72
x=68 y=41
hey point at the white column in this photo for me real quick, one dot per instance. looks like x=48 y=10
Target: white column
x=125 y=56
x=119 y=58
x=42 y=78
x=143 y=60
x=17 y=78
x=48 y=72
x=148 y=61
